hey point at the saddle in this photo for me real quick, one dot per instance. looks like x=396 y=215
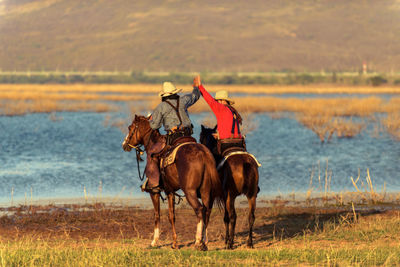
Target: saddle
x=167 y=157
x=226 y=146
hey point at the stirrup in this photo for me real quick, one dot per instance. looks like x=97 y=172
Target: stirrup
x=144 y=187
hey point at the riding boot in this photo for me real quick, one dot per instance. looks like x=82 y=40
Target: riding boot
x=152 y=183
x=152 y=169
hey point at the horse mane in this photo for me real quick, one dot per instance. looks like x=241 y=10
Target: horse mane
x=155 y=135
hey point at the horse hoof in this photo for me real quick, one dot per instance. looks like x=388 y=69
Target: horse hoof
x=229 y=246
x=250 y=243
x=201 y=247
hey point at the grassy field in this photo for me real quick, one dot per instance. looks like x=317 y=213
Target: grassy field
x=101 y=235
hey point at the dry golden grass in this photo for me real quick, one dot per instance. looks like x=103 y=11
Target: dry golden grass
x=326 y=126
x=31 y=95
x=248 y=89
x=21 y=107
x=82 y=88
x=392 y=125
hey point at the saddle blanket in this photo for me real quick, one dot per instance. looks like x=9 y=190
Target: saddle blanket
x=236 y=153
x=170 y=158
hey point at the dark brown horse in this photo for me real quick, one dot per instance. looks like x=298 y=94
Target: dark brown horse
x=239 y=174
x=193 y=171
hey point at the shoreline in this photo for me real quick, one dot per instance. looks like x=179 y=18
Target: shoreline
x=300 y=199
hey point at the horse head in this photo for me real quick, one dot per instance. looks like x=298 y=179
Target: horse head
x=207 y=137
x=136 y=131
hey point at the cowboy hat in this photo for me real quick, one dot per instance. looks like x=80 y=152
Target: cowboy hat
x=168 y=89
x=223 y=95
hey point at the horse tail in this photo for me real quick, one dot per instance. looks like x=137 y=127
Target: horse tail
x=216 y=184
x=250 y=173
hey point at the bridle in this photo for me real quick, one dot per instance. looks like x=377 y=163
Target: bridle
x=138 y=148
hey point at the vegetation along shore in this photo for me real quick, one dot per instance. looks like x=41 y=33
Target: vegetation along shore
x=345 y=115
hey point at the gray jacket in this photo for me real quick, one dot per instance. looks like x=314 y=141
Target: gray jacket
x=165 y=115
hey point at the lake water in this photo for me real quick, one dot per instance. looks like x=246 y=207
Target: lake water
x=79 y=153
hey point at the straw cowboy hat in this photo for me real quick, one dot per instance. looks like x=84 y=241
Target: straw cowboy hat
x=223 y=95
x=168 y=89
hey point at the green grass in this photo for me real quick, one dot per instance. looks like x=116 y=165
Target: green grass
x=269 y=78
x=39 y=253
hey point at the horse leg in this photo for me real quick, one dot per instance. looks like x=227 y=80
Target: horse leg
x=226 y=221
x=191 y=197
x=208 y=204
x=252 y=207
x=171 y=217
x=230 y=205
x=155 y=198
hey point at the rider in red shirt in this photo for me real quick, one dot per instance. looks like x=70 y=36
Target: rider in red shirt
x=228 y=119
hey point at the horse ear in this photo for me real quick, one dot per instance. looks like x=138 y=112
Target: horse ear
x=202 y=127
x=136 y=117
x=215 y=128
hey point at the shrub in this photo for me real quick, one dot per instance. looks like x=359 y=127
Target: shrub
x=377 y=80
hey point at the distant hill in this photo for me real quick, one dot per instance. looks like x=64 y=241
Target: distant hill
x=208 y=35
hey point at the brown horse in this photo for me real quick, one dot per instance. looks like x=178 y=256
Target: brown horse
x=193 y=171
x=240 y=176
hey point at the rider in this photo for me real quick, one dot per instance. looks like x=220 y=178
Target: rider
x=173 y=115
x=228 y=119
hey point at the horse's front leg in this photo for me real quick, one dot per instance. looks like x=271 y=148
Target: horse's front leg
x=155 y=198
x=171 y=216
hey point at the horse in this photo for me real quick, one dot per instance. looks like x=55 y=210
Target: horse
x=239 y=175
x=193 y=171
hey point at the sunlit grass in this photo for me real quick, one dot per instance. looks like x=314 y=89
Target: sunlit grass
x=392 y=125
x=20 y=107
x=366 y=239
x=248 y=89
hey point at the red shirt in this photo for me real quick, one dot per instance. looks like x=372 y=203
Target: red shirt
x=223 y=114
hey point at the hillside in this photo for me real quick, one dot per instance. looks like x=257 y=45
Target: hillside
x=179 y=35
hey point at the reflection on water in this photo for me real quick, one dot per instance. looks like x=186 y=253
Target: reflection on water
x=80 y=154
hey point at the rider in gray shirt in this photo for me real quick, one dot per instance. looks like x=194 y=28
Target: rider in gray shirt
x=173 y=115
x=165 y=114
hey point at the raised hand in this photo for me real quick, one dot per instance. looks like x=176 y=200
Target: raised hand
x=196 y=81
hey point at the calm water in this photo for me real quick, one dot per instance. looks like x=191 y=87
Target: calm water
x=58 y=159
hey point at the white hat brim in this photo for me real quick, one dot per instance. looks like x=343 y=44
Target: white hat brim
x=162 y=94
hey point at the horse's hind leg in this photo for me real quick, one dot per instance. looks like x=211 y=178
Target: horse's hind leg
x=207 y=206
x=155 y=198
x=226 y=221
x=191 y=197
x=252 y=208
x=230 y=206
x=171 y=217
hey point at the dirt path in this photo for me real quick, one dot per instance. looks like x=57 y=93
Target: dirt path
x=98 y=221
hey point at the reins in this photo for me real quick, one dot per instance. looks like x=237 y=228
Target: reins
x=138 y=160
x=140 y=152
